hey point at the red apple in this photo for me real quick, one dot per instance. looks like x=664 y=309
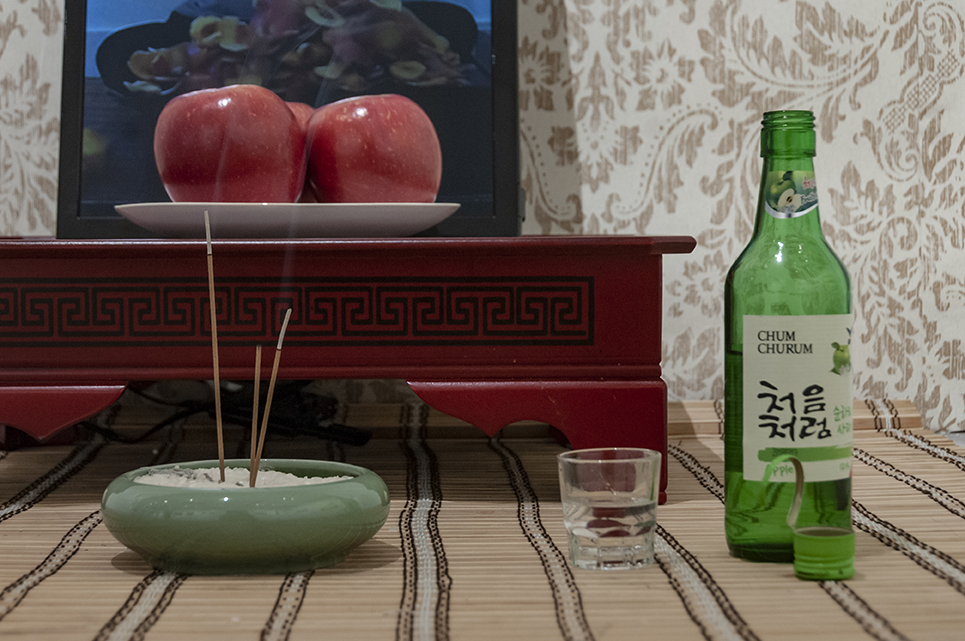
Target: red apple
x=373 y=149
x=232 y=144
x=303 y=111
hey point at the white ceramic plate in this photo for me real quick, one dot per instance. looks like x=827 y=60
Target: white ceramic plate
x=287 y=220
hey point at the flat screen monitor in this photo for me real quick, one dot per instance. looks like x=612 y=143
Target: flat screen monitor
x=125 y=60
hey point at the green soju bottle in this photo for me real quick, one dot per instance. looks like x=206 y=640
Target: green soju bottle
x=788 y=320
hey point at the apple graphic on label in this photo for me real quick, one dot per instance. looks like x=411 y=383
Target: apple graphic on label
x=782 y=196
x=789 y=202
x=240 y=143
x=373 y=148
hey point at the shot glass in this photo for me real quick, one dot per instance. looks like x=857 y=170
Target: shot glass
x=610 y=506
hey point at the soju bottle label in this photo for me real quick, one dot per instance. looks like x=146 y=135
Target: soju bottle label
x=797 y=395
x=789 y=194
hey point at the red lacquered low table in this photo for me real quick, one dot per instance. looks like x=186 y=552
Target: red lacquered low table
x=564 y=330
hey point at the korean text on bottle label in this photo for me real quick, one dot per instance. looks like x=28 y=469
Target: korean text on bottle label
x=797 y=395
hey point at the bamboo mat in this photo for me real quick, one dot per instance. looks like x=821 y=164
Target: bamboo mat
x=474 y=546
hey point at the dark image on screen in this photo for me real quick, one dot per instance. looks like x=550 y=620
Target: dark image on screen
x=139 y=55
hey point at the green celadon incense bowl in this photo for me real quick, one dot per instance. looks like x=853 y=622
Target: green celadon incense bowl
x=241 y=530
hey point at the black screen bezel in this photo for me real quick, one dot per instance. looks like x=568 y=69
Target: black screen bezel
x=508 y=203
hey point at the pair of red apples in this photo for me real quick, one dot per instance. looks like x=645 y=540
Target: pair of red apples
x=243 y=143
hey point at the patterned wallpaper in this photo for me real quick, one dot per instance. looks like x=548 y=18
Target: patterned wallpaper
x=642 y=117
x=31 y=34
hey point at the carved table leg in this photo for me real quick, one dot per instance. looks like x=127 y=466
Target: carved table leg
x=42 y=410
x=589 y=413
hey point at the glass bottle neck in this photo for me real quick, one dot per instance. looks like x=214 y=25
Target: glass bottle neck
x=779 y=206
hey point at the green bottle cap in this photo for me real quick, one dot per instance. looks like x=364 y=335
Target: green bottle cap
x=823 y=553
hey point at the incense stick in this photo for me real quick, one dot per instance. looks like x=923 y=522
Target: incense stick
x=254 y=417
x=214 y=346
x=271 y=391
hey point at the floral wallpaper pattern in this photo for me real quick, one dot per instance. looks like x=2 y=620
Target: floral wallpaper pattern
x=31 y=32
x=642 y=117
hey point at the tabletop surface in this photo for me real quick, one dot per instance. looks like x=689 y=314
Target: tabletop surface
x=526 y=246
x=474 y=546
